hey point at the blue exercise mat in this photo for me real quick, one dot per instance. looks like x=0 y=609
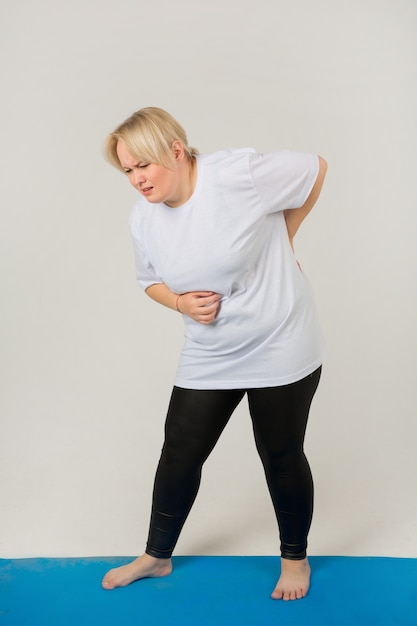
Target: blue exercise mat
x=204 y=590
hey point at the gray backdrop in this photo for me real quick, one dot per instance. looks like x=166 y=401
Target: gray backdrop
x=88 y=361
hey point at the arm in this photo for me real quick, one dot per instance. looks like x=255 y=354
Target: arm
x=295 y=217
x=201 y=306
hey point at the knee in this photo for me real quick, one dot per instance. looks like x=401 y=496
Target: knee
x=175 y=458
x=283 y=460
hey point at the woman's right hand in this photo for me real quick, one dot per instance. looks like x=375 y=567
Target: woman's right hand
x=201 y=306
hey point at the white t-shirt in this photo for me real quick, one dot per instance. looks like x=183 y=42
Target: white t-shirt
x=230 y=237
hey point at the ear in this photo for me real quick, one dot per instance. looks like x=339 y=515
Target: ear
x=177 y=150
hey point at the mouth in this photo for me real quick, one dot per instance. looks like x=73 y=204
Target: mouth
x=146 y=190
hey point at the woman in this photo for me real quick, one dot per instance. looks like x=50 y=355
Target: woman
x=213 y=238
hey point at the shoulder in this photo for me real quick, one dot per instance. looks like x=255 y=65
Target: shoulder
x=283 y=164
x=227 y=167
x=252 y=162
x=226 y=157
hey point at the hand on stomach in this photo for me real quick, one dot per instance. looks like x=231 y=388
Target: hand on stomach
x=201 y=306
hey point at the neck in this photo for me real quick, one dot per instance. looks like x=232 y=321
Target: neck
x=187 y=181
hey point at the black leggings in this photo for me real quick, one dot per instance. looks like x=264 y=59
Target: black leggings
x=195 y=421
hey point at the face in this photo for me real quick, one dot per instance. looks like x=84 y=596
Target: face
x=155 y=182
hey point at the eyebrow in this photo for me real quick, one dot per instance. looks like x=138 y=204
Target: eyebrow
x=135 y=164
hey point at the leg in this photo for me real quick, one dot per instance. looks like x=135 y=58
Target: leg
x=195 y=421
x=279 y=418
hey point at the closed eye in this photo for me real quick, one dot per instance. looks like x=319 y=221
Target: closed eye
x=129 y=170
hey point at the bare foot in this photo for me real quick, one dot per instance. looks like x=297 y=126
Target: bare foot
x=144 y=566
x=294 y=581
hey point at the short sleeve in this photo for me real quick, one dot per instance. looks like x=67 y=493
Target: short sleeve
x=284 y=179
x=145 y=272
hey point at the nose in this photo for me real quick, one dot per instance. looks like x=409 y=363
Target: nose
x=138 y=177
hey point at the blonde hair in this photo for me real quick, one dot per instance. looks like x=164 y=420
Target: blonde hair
x=148 y=135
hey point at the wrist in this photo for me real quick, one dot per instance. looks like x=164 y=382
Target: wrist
x=177 y=303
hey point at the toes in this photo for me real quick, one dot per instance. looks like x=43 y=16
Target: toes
x=301 y=594
x=109 y=581
x=286 y=595
x=106 y=584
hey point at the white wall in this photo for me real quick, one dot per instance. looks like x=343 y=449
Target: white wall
x=88 y=362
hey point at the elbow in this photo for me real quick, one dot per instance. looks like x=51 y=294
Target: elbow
x=322 y=166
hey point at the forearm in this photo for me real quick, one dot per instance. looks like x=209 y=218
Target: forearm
x=201 y=306
x=295 y=217
x=163 y=295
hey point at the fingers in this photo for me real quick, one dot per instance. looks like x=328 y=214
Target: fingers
x=201 y=306
x=204 y=296
x=207 y=313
